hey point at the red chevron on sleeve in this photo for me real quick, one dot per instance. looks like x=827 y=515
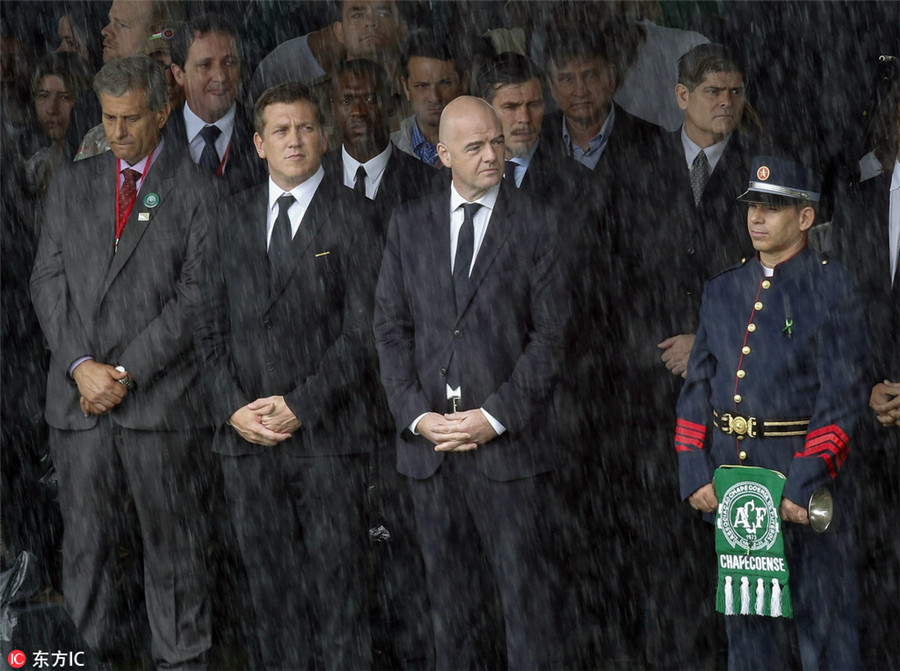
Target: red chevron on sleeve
x=829 y=443
x=689 y=436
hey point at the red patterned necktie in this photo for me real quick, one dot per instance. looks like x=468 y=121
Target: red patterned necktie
x=127 y=192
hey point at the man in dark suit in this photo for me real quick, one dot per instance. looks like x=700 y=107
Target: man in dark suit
x=469 y=321
x=367 y=161
x=285 y=335
x=116 y=300
x=512 y=85
x=593 y=130
x=214 y=128
x=370 y=164
x=539 y=166
x=675 y=222
x=865 y=238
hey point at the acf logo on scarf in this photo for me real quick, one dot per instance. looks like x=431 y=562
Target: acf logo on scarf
x=753 y=573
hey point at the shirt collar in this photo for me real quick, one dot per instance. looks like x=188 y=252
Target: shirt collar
x=303 y=193
x=895 y=176
x=194 y=124
x=525 y=161
x=713 y=152
x=605 y=129
x=140 y=165
x=375 y=166
x=488 y=200
x=426 y=151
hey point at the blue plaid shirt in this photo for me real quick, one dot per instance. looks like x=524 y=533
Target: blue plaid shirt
x=426 y=151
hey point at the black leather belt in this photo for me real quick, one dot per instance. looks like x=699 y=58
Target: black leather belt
x=754 y=427
x=454 y=404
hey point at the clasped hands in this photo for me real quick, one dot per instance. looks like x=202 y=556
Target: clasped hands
x=98 y=384
x=266 y=421
x=456 y=432
x=885 y=401
x=704 y=500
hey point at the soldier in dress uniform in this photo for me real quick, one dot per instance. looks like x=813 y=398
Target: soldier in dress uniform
x=776 y=379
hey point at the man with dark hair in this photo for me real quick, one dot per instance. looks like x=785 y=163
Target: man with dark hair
x=370 y=29
x=866 y=238
x=777 y=381
x=511 y=83
x=673 y=223
x=469 y=322
x=116 y=299
x=212 y=123
x=368 y=162
x=286 y=344
x=594 y=130
x=432 y=76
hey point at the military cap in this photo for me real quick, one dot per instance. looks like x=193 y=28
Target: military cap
x=778 y=181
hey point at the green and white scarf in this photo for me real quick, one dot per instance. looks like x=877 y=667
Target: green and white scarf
x=753 y=572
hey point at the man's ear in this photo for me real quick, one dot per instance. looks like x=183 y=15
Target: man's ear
x=807 y=218
x=178 y=73
x=443 y=154
x=681 y=95
x=258 y=143
x=338 y=29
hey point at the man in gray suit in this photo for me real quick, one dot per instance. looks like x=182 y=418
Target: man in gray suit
x=115 y=285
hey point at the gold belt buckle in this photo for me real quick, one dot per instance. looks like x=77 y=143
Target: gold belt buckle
x=740 y=425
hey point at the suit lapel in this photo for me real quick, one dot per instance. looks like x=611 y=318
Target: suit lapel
x=497 y=232
x=159 y=182
x=316 y=215
x=436 y=248
x=246 y=239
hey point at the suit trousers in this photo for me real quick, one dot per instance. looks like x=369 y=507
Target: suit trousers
x=302 y=532
x=824 y=632
x=469 y=525
x=164 y=474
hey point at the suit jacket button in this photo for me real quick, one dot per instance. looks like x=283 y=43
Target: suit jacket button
x=267 y=323
x=443 y=372
x=457 y=333
x=270 y=367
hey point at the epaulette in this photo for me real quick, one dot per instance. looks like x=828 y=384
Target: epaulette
x=731 y=268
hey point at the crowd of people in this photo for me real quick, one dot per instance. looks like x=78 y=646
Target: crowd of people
x=383 y=334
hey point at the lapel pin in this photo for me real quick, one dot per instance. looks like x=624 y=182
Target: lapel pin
x=788 y=326
x=143 y=216
x=322 y=254
x=151 y=200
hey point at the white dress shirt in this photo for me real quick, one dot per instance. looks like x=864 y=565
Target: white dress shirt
x=375 y=168
x=194 y=124
x=480 y=220
x=894 y=219
x=303 y=194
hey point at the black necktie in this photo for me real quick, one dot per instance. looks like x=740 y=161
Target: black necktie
x=699 y=176
x=465 y=247
x=280 y=243
x=509 y=174
x=209 y=159
x=360 y=186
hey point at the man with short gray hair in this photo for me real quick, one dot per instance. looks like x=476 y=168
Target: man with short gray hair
x=115 y=285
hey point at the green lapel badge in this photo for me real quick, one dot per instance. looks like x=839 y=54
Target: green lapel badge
x=151 y=199
x=788 y=324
